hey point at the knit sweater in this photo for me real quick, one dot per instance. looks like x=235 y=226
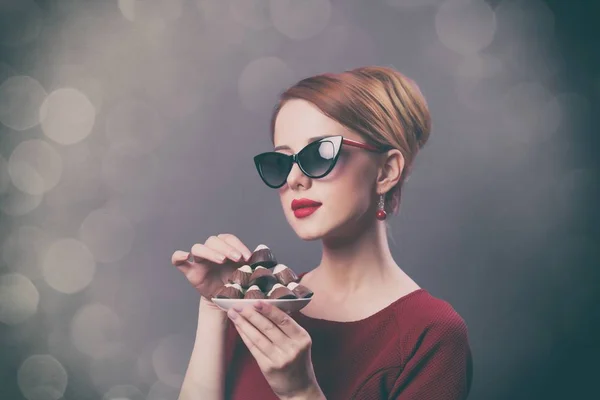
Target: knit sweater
x=415 y=348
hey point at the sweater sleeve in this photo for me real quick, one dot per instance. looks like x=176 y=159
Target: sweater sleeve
x=440 y=365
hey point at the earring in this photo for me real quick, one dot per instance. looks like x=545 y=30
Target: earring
x=381 y=214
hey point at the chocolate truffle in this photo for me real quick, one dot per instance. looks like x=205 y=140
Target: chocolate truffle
x=280 y=292
x=241 y=276
x=230 y=291
x=263 y=256
x=284 y=274
x=300 y=290
x=263 y=278
x=254 y=292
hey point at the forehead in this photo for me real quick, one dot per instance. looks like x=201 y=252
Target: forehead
x=299 y=120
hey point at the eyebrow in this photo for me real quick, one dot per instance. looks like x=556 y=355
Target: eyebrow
x=312 y=139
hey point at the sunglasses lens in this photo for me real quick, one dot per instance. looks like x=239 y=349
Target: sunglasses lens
x=274 y=168
x=318 y=158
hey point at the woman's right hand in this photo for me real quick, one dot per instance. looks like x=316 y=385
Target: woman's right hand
x=208 y=266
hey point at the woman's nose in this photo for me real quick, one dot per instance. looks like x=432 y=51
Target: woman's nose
x=296 y=177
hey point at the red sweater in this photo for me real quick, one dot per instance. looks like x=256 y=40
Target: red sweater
x=415 y=348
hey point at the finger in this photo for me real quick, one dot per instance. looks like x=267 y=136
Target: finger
x=266 y=327
x=237 y=243
x=280 y=319
x=261 y=359
x=200 y=252
x=224 y=248
x=259 y=344
x=180 y=258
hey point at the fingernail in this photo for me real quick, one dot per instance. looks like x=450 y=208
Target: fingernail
x=237 y=308
x=235 y=255
x=247 y=256
x=258 y=306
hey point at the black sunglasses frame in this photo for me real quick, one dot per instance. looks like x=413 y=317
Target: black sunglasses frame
x=294 y=158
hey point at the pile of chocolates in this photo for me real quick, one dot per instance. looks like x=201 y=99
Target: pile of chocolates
x=263 y=278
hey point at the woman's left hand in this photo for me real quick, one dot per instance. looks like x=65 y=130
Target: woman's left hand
x=281 y=348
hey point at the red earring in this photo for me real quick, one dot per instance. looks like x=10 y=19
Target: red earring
x=381 y=214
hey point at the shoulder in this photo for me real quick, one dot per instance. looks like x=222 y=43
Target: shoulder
x=426 y=320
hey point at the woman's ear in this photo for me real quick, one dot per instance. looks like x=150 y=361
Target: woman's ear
x=390 y=171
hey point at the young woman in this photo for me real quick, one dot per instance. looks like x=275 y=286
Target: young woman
x=344 y=144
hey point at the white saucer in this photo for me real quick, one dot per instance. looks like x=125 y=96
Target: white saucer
x=287 y=305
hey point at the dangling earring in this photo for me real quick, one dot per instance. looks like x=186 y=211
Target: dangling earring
x=381 y=214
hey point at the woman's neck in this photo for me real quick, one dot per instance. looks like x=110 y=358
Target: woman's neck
x=358 y=262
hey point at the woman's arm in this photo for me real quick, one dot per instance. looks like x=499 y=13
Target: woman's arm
x=205 y=376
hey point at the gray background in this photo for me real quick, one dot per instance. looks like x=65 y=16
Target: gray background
x=127 y=130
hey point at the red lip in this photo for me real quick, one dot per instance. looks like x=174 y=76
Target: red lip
x=301 y=203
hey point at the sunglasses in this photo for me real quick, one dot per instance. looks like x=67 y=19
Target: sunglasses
x=315 y=160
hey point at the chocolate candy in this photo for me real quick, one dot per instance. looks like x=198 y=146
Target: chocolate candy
x=280 y=292
x=263 y=278
x=254 y=292
x=230 y=291
x=300 y=290
x=263 y=256
x=241 y=276
x=284 y=274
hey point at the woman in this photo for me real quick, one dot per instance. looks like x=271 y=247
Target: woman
x=344 y=145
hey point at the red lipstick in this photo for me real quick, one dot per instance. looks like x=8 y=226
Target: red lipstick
x=304 y=207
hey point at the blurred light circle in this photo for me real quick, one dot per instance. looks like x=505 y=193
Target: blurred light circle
x=42 y=377
x=151 y=11
x=81 y=181
x=530 y=109
x=78 y=77
x=262 y=80
x=20 y=22
x=412 y=3
x=300 y=20
x=465 y=26
x=113 y=367
x=253 y=14
x=68 y=266
x=19 y=298
x=67 y=116
x=161 y=391
x=127 y=8
x=20 y=100
x=16 y=203
x=480 y=66
x=35 y=167
x=135 y=127
x=523 y=22
x=23 y=248
x=133 y=172
x=124 y=392
x=169 y=360
x=108 y=234
x=4 y=176
x=95 y=330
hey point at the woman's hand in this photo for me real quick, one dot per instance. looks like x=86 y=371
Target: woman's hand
x=281 y=348
x=208 y=266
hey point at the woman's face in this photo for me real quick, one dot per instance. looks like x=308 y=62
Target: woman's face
x=347 y=193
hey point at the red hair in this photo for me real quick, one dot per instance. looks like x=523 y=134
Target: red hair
x=383 y=106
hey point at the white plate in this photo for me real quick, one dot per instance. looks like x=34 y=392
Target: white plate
x=287 y=305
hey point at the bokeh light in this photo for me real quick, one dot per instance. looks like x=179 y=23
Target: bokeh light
x=20 y=100
x=35 y=167
x=261 y=81
x=67 y=116
x=108 y=234
x=42 y=377
x=169 y=360
x=465 y=26
x=300 y=20
x=16 y=203
x=19 y=298
x=95 y=330
x=68 y=266
x=23 y=248
x=123 y=392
